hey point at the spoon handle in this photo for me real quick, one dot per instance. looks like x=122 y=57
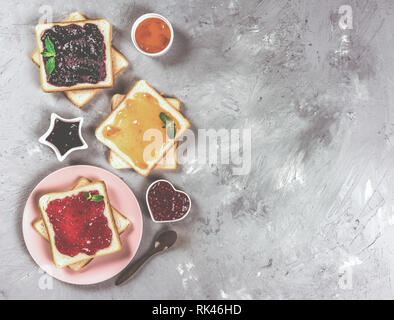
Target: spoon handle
x=133 y=268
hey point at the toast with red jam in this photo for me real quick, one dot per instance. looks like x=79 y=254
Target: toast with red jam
x=121 y=222
x=80 y=224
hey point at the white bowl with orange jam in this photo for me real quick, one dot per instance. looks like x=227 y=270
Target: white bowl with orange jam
x=152 y=34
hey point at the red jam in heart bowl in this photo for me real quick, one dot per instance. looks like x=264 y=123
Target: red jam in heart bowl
x=165 y=203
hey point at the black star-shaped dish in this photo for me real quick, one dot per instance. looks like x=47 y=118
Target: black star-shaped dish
x=64 y=136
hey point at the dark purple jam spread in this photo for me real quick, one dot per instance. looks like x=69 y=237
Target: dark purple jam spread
x=65 y=136
x=165 y=203
x=80 y=54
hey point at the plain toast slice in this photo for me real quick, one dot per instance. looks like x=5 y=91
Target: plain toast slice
x=142 y=87
x=106 y=30
x=121 y=222
x=61 y=260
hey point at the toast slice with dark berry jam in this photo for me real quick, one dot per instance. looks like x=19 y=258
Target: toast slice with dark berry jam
x=75 y=55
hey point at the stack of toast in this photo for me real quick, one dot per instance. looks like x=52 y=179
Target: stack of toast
x=116 y=222
x=164 y=158
x=168 y=162
x=81 y=93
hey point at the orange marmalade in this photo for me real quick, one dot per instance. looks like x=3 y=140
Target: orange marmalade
x=139 y=114
x=153 y=35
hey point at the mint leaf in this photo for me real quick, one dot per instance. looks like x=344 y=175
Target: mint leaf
x=47 y=54
x=50 y=65
x=171 y=131
x=164 y=117
x=169 y=124
x=97 y=198
x=49 y=45
x=87 y=195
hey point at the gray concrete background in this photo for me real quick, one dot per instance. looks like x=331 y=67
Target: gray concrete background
x=317 y=207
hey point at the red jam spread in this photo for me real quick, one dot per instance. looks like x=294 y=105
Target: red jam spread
x=166 y=203
x=79 y=54
x=79 y=224
x=153 y=35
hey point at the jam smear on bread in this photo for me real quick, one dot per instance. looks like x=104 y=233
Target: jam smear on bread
x=79 y=224
x=79 y=54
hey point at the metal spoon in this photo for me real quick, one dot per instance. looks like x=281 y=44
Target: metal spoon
x=162 y=242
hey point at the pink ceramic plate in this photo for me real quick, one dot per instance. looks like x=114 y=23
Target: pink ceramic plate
x=121 y=198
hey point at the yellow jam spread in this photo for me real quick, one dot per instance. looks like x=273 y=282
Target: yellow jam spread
x=139 y=114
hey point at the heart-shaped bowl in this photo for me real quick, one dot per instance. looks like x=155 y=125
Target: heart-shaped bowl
x=176 y=191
